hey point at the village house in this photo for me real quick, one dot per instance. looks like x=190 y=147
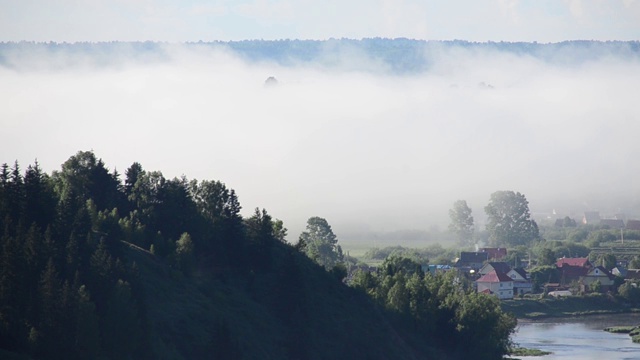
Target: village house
x=498 y=266
x=632 y=274
x=620 y=271
x=597 y=274
x=622 y=263
x=572 y=269
x=614 y=224
x=436 y=269
x=579 y=262
x=591 y=218
x=521 y=282
x=471 y=261
x=495 y=254
x=633 y=225
x=496 y=283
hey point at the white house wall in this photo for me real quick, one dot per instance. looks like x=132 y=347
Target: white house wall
x=502 y=292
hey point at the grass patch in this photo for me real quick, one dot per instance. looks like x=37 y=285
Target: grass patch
x=535 y=315
x=355 y=249
x=633 y=331
x=620 y=329
x=520 y=351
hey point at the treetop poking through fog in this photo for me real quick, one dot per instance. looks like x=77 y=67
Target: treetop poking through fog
x=373 y=134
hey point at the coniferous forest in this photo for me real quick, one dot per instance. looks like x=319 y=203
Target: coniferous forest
x=100 y=265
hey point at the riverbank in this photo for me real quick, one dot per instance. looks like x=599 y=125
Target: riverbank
x=632 y=331
x=570 y=306
x=578 y=337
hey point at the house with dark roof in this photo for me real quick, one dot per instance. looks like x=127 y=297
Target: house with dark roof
x=518 y=274
x=591 y=218
x=496 y=283
x=498 y=266
x=521 y=282
x=633 y=225
x=471 y=260
x=619 y=271
x=495 y=254
x=612 y=223
x=622 y=263
x=632 y=274
x=598 y=274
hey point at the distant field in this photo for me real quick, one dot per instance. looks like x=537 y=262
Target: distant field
x=620 y=244
x=627 y=250
x=358 y=247
x=358 y=250
x=355 y=249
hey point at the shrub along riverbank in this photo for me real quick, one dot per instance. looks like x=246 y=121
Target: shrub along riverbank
x=547 y=307
x=520 y=351
x=633 y=331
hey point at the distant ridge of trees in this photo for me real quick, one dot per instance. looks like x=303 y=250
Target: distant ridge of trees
x=400 y=55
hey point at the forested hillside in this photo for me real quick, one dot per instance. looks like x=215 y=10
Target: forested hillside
x=94 y=264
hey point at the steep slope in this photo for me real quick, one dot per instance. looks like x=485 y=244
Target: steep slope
x=295 y=310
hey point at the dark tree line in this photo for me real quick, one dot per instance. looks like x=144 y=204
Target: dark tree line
x=67 y=289
x=444 y=308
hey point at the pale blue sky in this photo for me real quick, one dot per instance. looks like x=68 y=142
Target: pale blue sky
x=193 y=20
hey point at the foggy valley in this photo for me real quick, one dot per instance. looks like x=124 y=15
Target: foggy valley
x=379 y=143
x=279 y=179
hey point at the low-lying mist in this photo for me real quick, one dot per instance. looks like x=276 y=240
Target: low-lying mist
x=346 y=139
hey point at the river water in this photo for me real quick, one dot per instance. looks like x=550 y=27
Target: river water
x=579 y=338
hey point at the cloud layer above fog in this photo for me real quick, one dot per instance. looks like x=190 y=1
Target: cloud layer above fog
x=367 y=150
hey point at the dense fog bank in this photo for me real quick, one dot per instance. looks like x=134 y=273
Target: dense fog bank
x=350 y=133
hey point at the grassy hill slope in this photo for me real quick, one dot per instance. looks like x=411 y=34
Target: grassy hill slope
x=266 y=315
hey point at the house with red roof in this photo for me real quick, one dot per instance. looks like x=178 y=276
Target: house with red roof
x=496 y=283
x=581 y=262
x=572 y=269
x=495 y=254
